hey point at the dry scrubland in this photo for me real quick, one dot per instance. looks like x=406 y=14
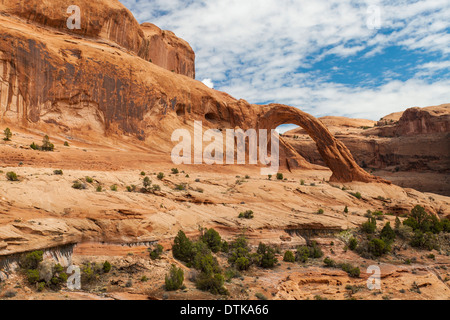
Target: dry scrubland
x=46 y=209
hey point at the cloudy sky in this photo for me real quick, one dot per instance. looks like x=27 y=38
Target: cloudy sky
x=356 y=58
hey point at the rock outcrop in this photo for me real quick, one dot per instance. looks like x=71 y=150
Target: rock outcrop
x=94 y=82
x=414 y=141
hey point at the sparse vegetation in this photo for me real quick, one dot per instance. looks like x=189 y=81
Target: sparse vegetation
x=79 y=185
x=356 y=195
x=156 y=253
x=280 y=176
x=8 y=134
x=11 y=176
x=175 y=170
x=246 y=215
x=289 y=256
x=174 y=280
x=160 y=176
x=58 y=172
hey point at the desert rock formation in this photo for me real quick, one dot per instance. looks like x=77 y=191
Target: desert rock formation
x=409 y=148
x=93 y=81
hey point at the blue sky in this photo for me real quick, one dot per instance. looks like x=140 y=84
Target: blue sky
x=361 y=59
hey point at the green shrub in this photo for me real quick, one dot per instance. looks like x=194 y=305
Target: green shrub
x=268 y=259
x=34 y=146
x=41 y=286
x=370 y=226
x=147 y=182
x=131 y=188
x=31 y=260
x=182 y=247
x=346 y=209
x=260 y=296
x=89 y=180
x=32 y=276
x=114 y=187
x=8 y=134
x=79 y=185
x=421 y=220
x=11 y=176
x=351 y=271
x=142 y=173
x=356 y=195
x=99 y=189
x=387 y=233
x=320 y=211
x=212 y=238
x=289 y=256
x=212 y=283
x=175 y=171
x=66 y=144
x=280 y=176
x=106 y=267
x=58 y=172
x=246 y=215
x=156 y=253
x=305 y=252
x=180 y=187
x=174 y=280
x=46 y=144
x=329 y=263
x=352 y=244
x=378 y=247
x=160 y=176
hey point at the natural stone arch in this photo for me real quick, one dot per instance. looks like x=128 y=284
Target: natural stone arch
x=335 y=154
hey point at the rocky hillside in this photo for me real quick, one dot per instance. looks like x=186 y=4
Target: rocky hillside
x=410 y=148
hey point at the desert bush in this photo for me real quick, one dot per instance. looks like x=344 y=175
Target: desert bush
x=175 y=170
x=106 y=267
x=58 y=172
x=387 y=233
x=320 y=211
x=280 y=176
x=182 y=247
x=370 y=226
x=260 y=296
x=212 y=283
x=378 y=247
x=289 y=256
x=46 y=144
x=160 y=176
x=131 y=188
x=329 y=263
x=419 y=219
x=268 y=259
x=352 y=244
x=8 y=134
x=346 y=209
x=356 y=195
x=79 y=185
x=66 y=144
x=212 y=238
x=31 y=260
x=114 y=187
x=310 y=251
x=11 y=176
x=353 y=272
x=156 y=253
x=246 y=215
x=89 y=180
x=143 y=173
x=99 y=189
x=174 y=280
x=32 y=276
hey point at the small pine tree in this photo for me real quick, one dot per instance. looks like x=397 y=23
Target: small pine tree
x=8 y=134
x=174 y=280
x=46 y=144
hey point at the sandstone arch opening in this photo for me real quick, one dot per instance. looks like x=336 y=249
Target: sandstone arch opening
x=334 y=153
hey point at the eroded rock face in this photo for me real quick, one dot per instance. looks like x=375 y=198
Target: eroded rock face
x=412 y=141
x=112 y=23
x=166 y=50
x=80 y=84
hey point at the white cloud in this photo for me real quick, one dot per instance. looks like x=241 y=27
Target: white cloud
x=253 y=49
x=209 y=83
